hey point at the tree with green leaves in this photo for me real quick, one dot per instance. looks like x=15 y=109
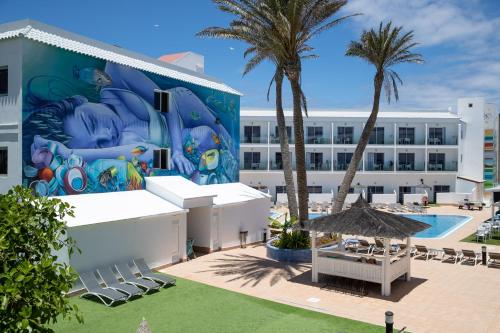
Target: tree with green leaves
x=33 y=283
x=384 y=48
x=255 y=25
x=280 y=30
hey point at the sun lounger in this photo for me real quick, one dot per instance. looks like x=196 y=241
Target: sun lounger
x=363 y=245
x=106 y=295
x=423 y=251
x=450 y=254
x=147 y=273
x=129 y=277
x=469 y=255
x=379 y=247
x=110 y=280
x=494 y=258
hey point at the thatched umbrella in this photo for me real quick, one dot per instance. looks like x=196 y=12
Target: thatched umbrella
x=363 y=220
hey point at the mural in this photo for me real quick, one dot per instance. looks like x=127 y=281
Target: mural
x=90 y=126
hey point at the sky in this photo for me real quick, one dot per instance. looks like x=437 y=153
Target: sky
x=458 y=39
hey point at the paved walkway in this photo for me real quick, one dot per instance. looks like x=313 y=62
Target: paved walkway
x=441 y=297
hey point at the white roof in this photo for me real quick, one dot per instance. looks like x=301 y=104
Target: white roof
x=116 y=206
x=76 y=43
x=353 y=113
x=234 y=193
x=180 y=191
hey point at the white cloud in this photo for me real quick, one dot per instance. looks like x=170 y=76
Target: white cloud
x=465 y=40
x=156 y=25
x=231 y=48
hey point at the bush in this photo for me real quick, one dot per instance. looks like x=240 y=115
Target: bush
x=292 y=239
x=32 y=283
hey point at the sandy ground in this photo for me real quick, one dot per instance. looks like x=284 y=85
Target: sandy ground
x=442 y=297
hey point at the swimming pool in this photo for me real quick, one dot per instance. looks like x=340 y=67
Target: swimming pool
x=441 y=225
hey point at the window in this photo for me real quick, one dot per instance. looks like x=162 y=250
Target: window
x=345 y=135
x=160 y=159
x=377 y=136
x=276 y=138
x=314 y=134
x=278 y=160
x=343 y=160
x=436 y=161
x=4 y=81
x=374 y=189
x=406 y=161
x=351 y=189
x=375 y=162
x=252 y=134
x=315 y=161
x=406 y=135
x=470 y=105
x=315 y=189
x=436 y=135
x=280 y=189
x=251 y=160
x=3 y=160
x=161 y=100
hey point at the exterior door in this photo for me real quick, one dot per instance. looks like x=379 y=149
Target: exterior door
x=374 y=189
x=440 y=189
x=404 y=190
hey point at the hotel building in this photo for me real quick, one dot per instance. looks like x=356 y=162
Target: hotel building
x=438 y=151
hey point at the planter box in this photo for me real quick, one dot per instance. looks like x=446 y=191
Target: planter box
x=288 y=255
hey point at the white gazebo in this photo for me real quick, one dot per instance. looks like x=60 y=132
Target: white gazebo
x=361 y=220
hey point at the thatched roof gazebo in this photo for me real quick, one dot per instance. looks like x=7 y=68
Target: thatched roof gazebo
x=362 y=220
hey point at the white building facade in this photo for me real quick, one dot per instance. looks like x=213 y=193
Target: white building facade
x=408 y=152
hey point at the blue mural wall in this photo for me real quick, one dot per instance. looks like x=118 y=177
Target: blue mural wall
x=89 y=126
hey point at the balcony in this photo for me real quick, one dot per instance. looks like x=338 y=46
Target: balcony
x=389 y=141
x=318 y=140
x=276 y=140
x=433 y=167
x=253 y=139
x=387 y=166
x=344 y=140
x=410 y=167
x=442 y=141
x=410 y=141
x=254 y=166
x=323 y=166
x=344 y=166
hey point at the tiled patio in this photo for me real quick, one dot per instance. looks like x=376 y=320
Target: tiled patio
x=441 y=297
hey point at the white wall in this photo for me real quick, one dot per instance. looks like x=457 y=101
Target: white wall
x=451 y=198
x=411 y=198
x=384 y=198
x=10 y=113
x=472 y=140
x=160 y=240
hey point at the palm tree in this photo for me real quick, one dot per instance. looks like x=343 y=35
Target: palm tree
x=297 y=22
x=384 y=48
x=255 y=26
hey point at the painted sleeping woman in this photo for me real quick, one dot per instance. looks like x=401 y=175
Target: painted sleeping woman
x=124 y=125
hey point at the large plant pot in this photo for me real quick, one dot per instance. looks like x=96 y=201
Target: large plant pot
x=288 y=255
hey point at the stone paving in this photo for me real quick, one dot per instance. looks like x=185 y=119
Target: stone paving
x=442 y=297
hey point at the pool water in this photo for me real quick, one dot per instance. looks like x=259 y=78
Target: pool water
x=441 y=225
x=315 y=215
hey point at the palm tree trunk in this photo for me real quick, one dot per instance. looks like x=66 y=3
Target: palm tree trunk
x=300 y=154
x=285 y=149
x=360 y=148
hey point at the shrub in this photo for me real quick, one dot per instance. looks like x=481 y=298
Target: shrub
x=32 y=283
x=292 y=239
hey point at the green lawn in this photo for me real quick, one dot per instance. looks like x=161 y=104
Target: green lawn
x=196 y=307
x=495 y=240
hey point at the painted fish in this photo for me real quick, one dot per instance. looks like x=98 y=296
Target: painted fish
x=93 y=76
x=107 y=176
x=139 y=150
